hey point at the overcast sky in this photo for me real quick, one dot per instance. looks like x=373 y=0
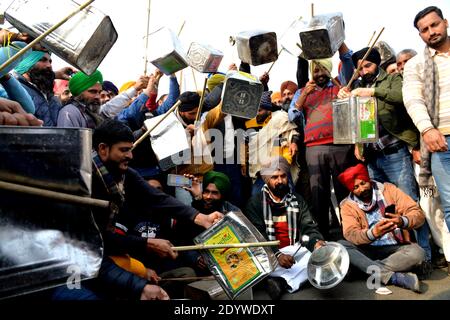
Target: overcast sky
x=212 y=22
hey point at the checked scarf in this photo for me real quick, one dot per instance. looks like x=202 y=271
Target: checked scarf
x=292 y=211
x=115 y=191
x=431 y=95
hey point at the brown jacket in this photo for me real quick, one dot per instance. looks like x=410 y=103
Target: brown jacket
x=355 y=224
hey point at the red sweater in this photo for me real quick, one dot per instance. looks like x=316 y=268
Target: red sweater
x=318 y=109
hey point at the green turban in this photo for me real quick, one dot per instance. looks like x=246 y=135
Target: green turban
x=80 y=82
x=29 y=61
x=220 y=180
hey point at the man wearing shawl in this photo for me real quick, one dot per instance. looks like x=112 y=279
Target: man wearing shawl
x=281 y=214
x=376 y=218
x=82 y=111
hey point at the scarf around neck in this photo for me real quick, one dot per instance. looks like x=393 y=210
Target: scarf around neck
x=431 y=95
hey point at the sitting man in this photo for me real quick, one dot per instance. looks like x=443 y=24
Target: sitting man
x=128 y=194
x=213 y=197
x=280 y=214
x=376 y=218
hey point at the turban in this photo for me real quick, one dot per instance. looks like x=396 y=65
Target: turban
x=325 y=63
x=374 y=56
x=347 y=178
x=291 y=86
x=215 y=80
x=9 y=51
x=189 y=101
x=110 y=87
x=29 y=61
x=220 y=180
x=273 y=164
x=80 y=82
x=60 y=85
x=126 y=86
x=275 y=96
x=266 y=102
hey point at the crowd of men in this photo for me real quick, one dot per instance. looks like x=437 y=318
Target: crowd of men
x=382 y=189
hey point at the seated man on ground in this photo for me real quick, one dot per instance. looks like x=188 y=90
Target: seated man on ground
x=376 y=219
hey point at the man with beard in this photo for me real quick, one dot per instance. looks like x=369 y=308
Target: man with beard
x=376 y=218
x=129 y=194
x=389 y=159
x=82 y=110
x=426 y=94
x=313 y=105
x=280 y=214
x=36 y=75
x=264 y=113
x=287 y=91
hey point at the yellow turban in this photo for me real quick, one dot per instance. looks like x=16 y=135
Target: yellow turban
x=126 y=86
x=326 y=63
x=215 y=80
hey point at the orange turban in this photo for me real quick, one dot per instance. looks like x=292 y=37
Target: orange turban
x=276 y=96
x=348 y=177
x=291 y=86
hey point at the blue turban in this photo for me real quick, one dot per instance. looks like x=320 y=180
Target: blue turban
x=29 y=61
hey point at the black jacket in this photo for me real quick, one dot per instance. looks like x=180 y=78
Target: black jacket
x=305 y=224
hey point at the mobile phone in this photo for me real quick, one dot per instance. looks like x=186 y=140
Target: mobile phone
x=176 y=180
x=390 y=209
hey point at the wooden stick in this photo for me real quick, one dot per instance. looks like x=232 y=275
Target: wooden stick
x=42 y=36
x=189 y=278
x=181 y=28
x=356 y=73
x=195 y=80
x=156 y=124
x=226 y=245
x=373 y=35
x=312 y=10
x=181 y=72
x=202 y=99
x=279 y=52
x=146 y=42
x=59 y=196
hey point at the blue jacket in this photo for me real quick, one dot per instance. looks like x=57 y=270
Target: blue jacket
x=12 y=89
x=47 y=108
x=134 y=115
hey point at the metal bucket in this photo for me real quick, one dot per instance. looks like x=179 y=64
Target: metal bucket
x=46 y=243
x=257 y=47
x=355 y=120
x=204 y=58
x=50 y=158
x=323 y=37
x=328 y=265
x=83 y=41
x=166 y=52
x=241 y=95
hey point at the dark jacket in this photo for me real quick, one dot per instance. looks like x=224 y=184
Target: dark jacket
x=47 y=108
x=392 y=113
x=305 y=224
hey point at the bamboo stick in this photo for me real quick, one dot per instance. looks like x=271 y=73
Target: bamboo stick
x=226 y=245
x=371 y=38
x=356 y=73
x=271 y=66
x=42 y=36
x=202 y=99
x=312 y=10
x=156 y=124
x=59 y=196
x=146 y=42
x=188 y=278
x=181 y=72
x=195 y=80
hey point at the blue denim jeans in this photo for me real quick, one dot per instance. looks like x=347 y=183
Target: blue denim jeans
x=440 y=166
x=397 y=168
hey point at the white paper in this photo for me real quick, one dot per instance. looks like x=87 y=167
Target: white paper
x=297 y=274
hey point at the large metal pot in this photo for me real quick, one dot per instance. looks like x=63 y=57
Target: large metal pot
x=328 y=265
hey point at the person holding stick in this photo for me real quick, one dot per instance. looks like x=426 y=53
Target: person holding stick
x=389 y=159
x=313 y=105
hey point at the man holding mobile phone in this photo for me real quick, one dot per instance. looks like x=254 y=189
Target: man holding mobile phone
x=376 y=219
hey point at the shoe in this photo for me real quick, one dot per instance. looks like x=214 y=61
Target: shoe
x=406 y=280
x=276 y=287
x=439 y=262
x=424 y=270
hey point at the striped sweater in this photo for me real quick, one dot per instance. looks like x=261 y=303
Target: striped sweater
x=413 y=96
